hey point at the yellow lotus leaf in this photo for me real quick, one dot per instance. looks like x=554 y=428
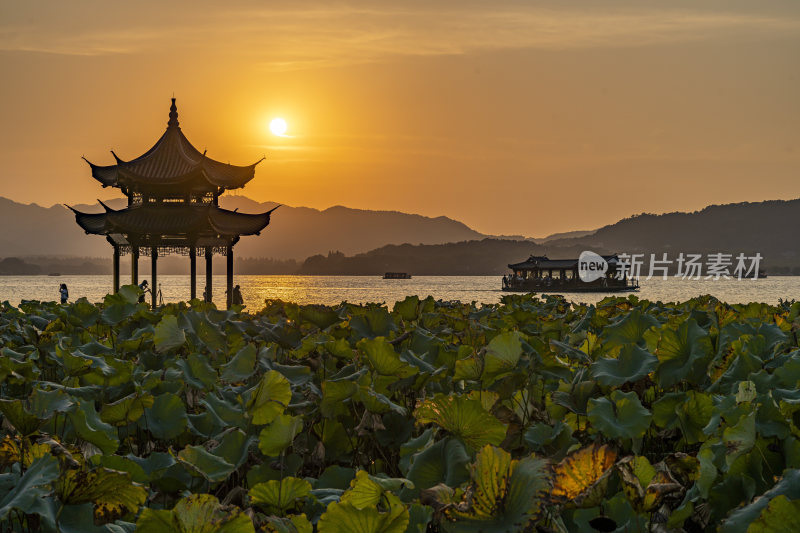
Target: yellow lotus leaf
x=578 y=477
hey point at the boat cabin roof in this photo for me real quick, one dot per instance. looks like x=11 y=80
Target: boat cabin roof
x=542 y=262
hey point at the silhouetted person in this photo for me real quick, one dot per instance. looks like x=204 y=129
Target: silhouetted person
x=236 y=297
x=145 y=290
x=64 y=293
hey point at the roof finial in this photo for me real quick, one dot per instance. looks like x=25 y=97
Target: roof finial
x=173 y=115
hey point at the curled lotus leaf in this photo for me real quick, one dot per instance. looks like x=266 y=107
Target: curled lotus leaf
x=505 y=494
x=582 y=476
x=198 y=513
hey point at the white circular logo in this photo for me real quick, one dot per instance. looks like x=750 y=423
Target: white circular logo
x=591 y=266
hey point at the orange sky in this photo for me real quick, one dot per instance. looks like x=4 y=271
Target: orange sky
x=513 y=117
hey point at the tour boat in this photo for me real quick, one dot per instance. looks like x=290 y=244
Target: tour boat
x=541 y=274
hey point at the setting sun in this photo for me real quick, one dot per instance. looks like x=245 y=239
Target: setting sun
x=278 y=127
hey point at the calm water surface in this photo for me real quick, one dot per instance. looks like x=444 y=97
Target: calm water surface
x=332 y=290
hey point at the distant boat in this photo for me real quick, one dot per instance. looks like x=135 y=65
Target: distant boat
x=54 y=274
x=541 y=274
x=397 y=275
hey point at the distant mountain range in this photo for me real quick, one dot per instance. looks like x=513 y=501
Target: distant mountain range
x=768 y=228
x=293 y=233
x=341 y=240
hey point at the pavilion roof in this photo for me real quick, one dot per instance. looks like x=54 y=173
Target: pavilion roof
x=173 y=164
x=172 y=220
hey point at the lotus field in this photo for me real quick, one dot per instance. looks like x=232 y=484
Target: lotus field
x=530 y=415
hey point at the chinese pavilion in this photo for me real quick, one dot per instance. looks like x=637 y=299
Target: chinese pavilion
x=173 y=195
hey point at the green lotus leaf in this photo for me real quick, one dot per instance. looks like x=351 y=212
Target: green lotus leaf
x=289 y=524
x=341 y=517
x=198 y=513
x=689 y=411
x=280 y=496
x=739 y=439
x=46 y=403
x=740 y=520
x=269 y=398
x=234 y=447
x=446 y=461
x=205 y=464
x=373 y=322
x=384 y=359
x=502 y=354
x=363 y=492
x=630 y=328
x=126 y=410
x=198 y=372
x=89 y=427
x=463 y=417
x=241 y=366
x=780 y=515
x=279 y=434
x=168 y=334
x=15 y=414
x=683 y=354
x=632 y=364
x=204 y=333
x=408 y=309
x=419 y=516
x=620 y=417
x=506 y=494
x=334 y=396
x=167 y=418
x=121 y=305
x=321 y=316
x=32 y=486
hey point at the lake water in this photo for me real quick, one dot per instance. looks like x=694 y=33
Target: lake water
x=331 y=290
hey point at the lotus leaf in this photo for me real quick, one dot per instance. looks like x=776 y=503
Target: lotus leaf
x=506 y=494
x=205 y=464
x=198 y=513
x=463 y=417
x=168 y=334
x=384 y=359
x=632 y=364
x=269 y=398
x=445 y=462
x=241 y=366
x=88 y=426
x=278 y=435
x=112 y=492
x=583 y=475
x=621 y=417
x=167 y=418
x=32 y=486
x=280 y=496
x=341 y=517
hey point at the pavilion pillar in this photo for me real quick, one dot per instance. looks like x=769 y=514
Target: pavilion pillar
x=134 y=265
x=154 y=275
x=192 y=272
x=229 y=273
x=116 y=268
x=209 y=270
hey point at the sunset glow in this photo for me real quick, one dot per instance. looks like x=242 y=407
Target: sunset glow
x=473 y=112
